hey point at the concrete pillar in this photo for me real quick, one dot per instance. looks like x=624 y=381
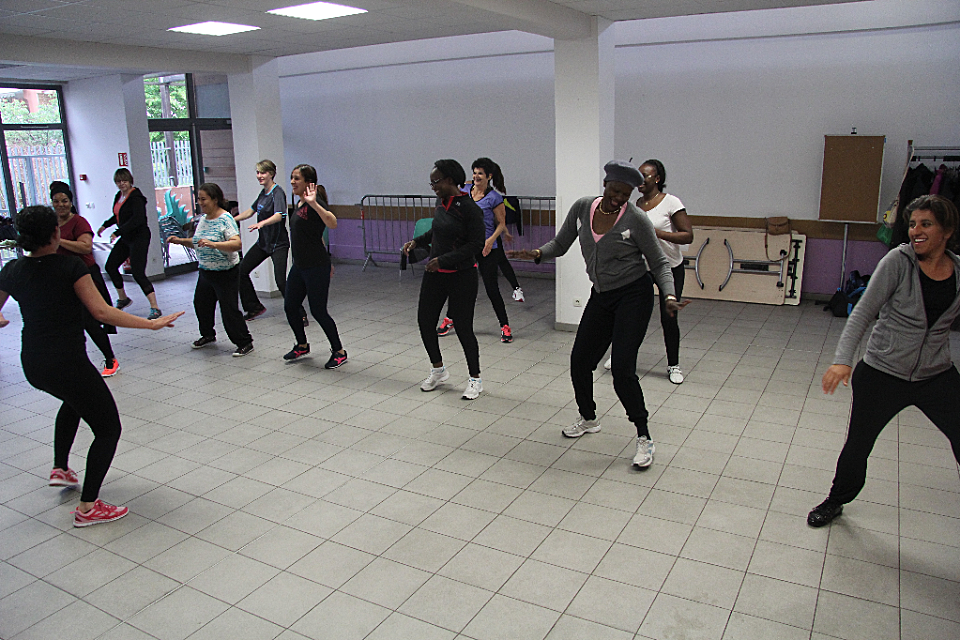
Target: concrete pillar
x=141 y=164
x=257 y=135
x=584 y=100
x=107 y=116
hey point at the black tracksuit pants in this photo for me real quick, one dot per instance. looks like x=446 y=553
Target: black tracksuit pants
x=619 y=316
x=877 y=398
x=220 y=287
x=460 y=289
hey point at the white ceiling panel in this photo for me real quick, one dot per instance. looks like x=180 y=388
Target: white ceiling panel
x=142 y=24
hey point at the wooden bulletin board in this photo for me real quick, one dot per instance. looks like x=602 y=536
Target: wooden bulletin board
x=850 y=186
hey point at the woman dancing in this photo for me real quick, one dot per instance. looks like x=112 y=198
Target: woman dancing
x=76 y=239
x=616 y=239
x=455 y=239
x=309 y=277
x=132 y=239
x=913 y=297
x=52 y=290
x=673 y=228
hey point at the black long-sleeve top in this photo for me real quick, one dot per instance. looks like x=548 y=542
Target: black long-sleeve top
x=133 y=213
x=457 y=234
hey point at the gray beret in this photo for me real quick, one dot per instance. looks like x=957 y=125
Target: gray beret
x=620 y=171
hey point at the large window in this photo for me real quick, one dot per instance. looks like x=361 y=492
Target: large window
x=190 y=143
x=33 y=145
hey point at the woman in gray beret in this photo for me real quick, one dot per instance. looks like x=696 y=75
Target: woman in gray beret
x=615 y=237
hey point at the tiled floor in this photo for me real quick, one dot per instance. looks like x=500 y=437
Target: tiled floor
x=272 y=500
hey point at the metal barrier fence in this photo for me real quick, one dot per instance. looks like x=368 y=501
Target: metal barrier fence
x=388 y=221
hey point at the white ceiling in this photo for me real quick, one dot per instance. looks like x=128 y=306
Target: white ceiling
x=58 y=24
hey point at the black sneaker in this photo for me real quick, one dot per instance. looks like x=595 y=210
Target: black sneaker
x=824 y=513
x=203 y=341
x=445 y=327
x=336 y=360
x=297 y=352
x=252 y=315
x=244 y=350
x=123 y=303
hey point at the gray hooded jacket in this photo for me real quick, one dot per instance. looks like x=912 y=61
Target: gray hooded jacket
x=900 y=343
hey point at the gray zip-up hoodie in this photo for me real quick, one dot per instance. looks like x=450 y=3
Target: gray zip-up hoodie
x=617 y=259
x=900 y=343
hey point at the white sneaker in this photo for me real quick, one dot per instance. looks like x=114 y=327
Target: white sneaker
x=436 y=377
x=582 y=426
x=608 y=363
x=675 y=375
x=518 y=294
x=473 y=389
x=645 y=449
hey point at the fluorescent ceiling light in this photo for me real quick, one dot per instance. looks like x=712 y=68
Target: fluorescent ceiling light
x=317 y=11
x=214 y=28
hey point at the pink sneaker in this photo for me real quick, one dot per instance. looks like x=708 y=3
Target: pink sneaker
x=99 y=514
x=64 y=478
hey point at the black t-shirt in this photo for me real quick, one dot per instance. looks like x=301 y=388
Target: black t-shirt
x=51 y=310
x=306 y=237
x=272 y=237
x=938 y=295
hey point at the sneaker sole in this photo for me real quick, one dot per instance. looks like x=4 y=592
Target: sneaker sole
x=434 y=387
x=585 y=431
x=104 y=374
x=201 y=346
x=80 y=524
x=336 y=366
x=64 y=483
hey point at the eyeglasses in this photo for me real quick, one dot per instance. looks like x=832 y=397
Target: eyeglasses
x=434 y=183
x=646 y=177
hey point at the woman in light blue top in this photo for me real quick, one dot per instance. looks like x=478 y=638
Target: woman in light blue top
x=217 y=241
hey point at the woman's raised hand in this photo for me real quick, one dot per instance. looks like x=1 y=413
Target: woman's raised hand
x=310 y=193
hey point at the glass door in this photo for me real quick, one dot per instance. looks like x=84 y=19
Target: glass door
x=172 y=157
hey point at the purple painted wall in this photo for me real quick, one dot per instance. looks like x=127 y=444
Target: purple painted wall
x=821 y=269
x=821 y=262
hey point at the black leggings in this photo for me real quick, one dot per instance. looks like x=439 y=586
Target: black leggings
x=76 y=382
x=877 y=398
x=489 y=265
x=671 y=327
x=134 y=245
x=460 y=288
x=504 y=263
x=619 y=316
x=253 y=259
x=313 y=285
x=214 y=287
x=97 y=331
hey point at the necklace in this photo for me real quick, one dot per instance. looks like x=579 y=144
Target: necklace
x=606 y=213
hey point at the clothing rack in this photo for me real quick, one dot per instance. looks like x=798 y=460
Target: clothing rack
x=943 y=154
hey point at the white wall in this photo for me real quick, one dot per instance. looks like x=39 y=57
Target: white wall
x=95 y=118
x=739 y=124
x=378 y=129
x=736 y=105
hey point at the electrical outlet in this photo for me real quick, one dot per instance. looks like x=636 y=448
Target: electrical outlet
x=577 y=302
